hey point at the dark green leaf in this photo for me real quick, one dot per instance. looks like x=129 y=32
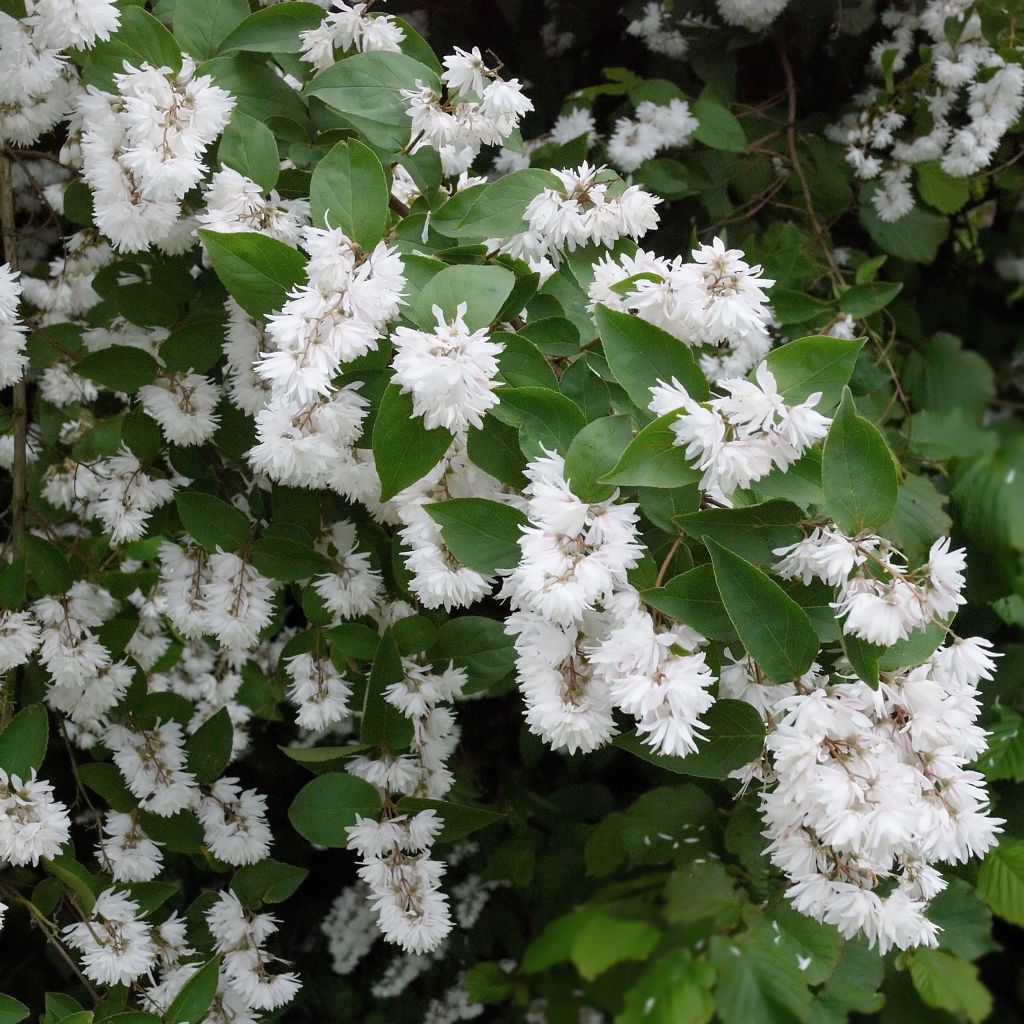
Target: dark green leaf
x=594 y=451
x=328 y=804
x=481 y=534
x=23 y=742
x=119 y=368
x=404 y=450
x=211 y=522
x=349 y=191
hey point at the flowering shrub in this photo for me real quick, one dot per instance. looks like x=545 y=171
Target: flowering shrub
x=474 y=555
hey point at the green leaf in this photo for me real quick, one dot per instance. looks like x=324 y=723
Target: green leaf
x=190 y=1005
x=858 y=473
x=139 y=39
x=481 y=534
x=793 y=307
x=249 y=147
x=774 y=629
x=12 y=584
x=349 y=191
x=674 y=989
x=693 y=599
x=12 y=1011
x=942 y=376
x=653 y=459
x=1004 y=758
x=1001 y=880
x=366 y=89
x=258 y=92
x=495 y=449
x=200 y=26
x=328 y=804
x=941 y=190
x=479 y=645
x=863 y=658
x=864 y=299
x=483 y=290
x=208 y=749
x=755 y=984
x=852 y=985
x=46 y=564
x=495 y=209
x=640 y=354
x=718 y=128
x=544 y=418
x=734 y=738
x=257 y=270
x=288 y=559
x=917 y=237
x=84 y=886
x=594 y=451
x=211 y=522
x=23 y=742
x=964 y=919
x=104 y=778
x=404 y=450
x=946 y=983
x=382 y=722
x=269 y=881
x=274 y=29
x=485 y=982
x=751 y=531
x=460 y=820
x=605 y=941
x=119 y=368
x=522 y=364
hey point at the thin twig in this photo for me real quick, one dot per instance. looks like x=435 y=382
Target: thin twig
x=660 y=578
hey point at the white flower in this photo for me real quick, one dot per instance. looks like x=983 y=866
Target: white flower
x=32 y=823
x=184 y=407
x=234 y=823
x=319 y=691
x=126 y=851
x=116 y=946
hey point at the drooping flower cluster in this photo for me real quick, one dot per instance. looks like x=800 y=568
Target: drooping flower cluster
x=184 y=404
x=233 y=202
x=12 y=331
x=32 y=824
x=656 y=127
x=741 y=437
x=972 y=97
x=867 y=790
x=480 y=109
x=881 y=600
x=350 y=27
x=718 y=300
x=142 y=149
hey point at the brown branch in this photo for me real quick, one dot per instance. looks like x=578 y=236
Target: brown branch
x=660 y=578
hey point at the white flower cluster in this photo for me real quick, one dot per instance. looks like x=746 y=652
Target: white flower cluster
x=233 y=202
x=184 y=404
x=12 y=331
x=972 y=98
x=32 y=824
x=234 y=823
x=717 y=300
x=656 y=127
x=404 y=883
x=126 y=853
x=350 y=27
x=880 y=599
x=866 y=791
x=753 y=15
x=593 y=206
x=741 y=437
x=68 y=293
x=481 y=108
x=152 y=763
x=142 y=148
x=657 y=28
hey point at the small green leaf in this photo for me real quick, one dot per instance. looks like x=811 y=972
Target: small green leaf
x=287 y=558
x=751 y=531
x=328 y=804
x=941 y=190
x=858 y=473
x=774 y=629
x=119 y=368
x=545 y=418
x=46 y=564
x=349 y=191
x=23 y=742
x=269 y=881
x=594 y=451
x=653 y=459
x=481 y=534
x=947 y=983
x=404 y=449
x=249 y=147
x=483 y=290
x=692 y=598
x=718 y=128
x=605 y=941
x=460 y=820
x=274 y=29
x=190 y=1005
x=208 y=749
x=12 y=1011
x=1001 y=880
x=863 y=658
x=495 y=209
x=211 y=522
x=816 y=364
x=864 y=299
x=382 y=722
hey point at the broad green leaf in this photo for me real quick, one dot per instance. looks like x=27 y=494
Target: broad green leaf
x=916 y=237
x=249 y=147
x=964 y=919
x=478 y=645
x=495 y=449
x=495 y=209
x=483 y=291
x=382 y=722
x=349 y=191
x=212 y=522
x=269 y=881
x=481 y=534
x=755 y=984
x=594 y=451
x=257 y=270
x=605 y=941
x=23 y=742
x=734 y=737
x=864 y=299
x=103 y=778
x=460 y=820
x=863 y=658
x=366 y=89
x=941 y=190
x=119 y=368
x=404 y=450
x=258 y=92
x=853 y=985
x=287 y=558
x=1001 y=880
x=200 y=26
x=673 y=989
x=653 y=459
x=13 y=579
x=718 y=128
x=793 y=307
x=191 y=1004
x=946 y=983
x=46 y=564
x=12 y=1011
x=942 y=376
x=703 y=891
x=274 y=29
x=751 y=531
x=544 y=418
x=774 y=629
x=1004 y=758
x=858 y=473
x=692 y=598
x=328 y=804
x=640 y=354
x=522 y=364
x=82 y=885
x=208 y=749
x=139 y=39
